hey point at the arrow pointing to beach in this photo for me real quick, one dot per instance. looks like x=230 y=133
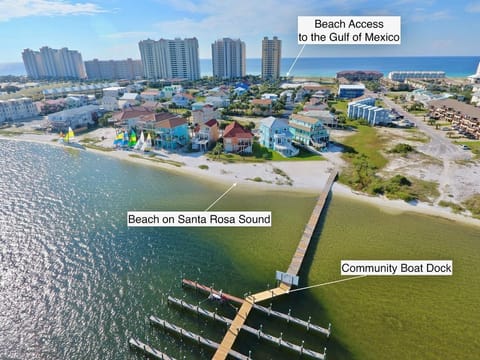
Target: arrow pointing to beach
x=221 y=196
x=295 y=61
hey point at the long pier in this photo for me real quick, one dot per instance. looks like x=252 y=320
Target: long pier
x=194 y=337
x=256 y=332
x=148 y=350
x=302 y=247
x=268 y=311
x=283 y=288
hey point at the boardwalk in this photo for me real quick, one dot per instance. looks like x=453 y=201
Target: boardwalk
x=284 y=288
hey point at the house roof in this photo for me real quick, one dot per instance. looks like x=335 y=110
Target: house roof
x=129 y=96
x=261 y=102
x=468 y=110
x=271 y=121
x=211 y=122
x=171 y=123
x=235 y=130
x=150 y=92
x=307 y=119
x=157 y=116
x=301 y=127
x=130 y=113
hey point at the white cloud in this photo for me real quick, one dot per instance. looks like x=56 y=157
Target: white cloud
x=11 y=9
x=473 y=7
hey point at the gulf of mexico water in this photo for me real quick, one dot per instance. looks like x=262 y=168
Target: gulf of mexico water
x=454 y=66
x=76 y=282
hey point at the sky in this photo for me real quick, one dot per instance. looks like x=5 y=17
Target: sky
x=111 y=29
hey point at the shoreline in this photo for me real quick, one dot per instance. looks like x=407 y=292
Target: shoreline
x=306 y=186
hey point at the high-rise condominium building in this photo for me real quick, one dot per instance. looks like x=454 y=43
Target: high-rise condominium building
x=228 y=58
x=168 y=59
x=53 y=64
x=114 y=69
x=271 y=56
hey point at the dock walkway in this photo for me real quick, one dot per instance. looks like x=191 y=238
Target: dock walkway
x=256 y=332
x=194 y=337
x=268 y=311
x=283 y=288
x=148 y=350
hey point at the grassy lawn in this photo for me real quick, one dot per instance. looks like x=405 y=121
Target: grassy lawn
x=340 y=105
x=473 y=144
x=262 y=154
x=366 y=141
x=303 y=155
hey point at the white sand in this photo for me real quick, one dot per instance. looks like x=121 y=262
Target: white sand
x=307 y=176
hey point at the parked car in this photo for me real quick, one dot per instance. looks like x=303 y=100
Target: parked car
x=465 y=147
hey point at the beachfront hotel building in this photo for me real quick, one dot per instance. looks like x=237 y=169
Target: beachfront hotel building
x=17 y=109
x=271 y=57
x=466 y=118
x=228 y=58
x=51 y=63
x=424 y=75
x=114 y=69
x=360 y=75
x=170 y=59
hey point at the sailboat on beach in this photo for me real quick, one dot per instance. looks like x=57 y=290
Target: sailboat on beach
x=68 y=140
x=147 y=145
x=140 y=142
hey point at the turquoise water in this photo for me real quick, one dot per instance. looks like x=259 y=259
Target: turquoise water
x=454 y=66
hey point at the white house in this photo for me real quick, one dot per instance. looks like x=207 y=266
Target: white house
x=151 y=95
x=114 y=91
x=74 y=118
x=17 y=109
x=204 y=113
x=110 y=103
x=273 y=97
x=218 y=101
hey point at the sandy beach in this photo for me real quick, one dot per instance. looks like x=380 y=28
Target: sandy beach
x=303 y=176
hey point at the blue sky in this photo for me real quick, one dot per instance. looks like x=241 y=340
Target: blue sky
x=111 y=29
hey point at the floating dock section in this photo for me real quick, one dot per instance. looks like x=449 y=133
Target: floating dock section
x=256 y=332
x=148 y=350
x=268 y=311
x=194 y=337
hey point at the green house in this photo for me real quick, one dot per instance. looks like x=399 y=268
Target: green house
x=308 y=131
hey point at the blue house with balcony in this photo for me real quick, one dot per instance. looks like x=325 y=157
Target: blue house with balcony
x=275 y=135
x=172 y=133
x=308 y=131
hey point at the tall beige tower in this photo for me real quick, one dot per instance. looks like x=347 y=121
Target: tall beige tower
x=271 y=56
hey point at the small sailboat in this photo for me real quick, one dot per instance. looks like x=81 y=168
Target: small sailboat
x=133 y=139
x=140 y=142
x=147 y=145
x=68 y=140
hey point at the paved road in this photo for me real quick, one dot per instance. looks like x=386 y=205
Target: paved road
x=440 y=146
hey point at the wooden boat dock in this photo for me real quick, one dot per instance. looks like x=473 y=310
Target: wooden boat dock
x=194 y=337
x=148 y=350
x=283 y=288
x=266 y=310
x=250 y=302
x=256 y=332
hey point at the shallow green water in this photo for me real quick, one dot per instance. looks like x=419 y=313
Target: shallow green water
x=77 y=283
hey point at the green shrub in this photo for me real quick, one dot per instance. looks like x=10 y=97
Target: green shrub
x=402 y=149
x=203 y=167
